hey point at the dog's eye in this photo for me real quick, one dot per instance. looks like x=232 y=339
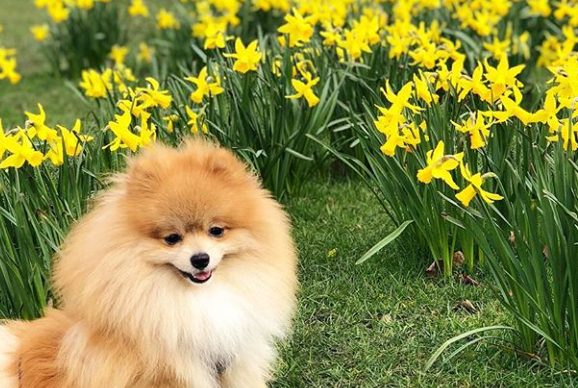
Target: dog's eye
x=173 y=239
x=217 y=231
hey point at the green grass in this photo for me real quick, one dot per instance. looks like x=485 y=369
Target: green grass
x=17 y=17
x=376 y=325
x=61 y=105
x=37 y=85
x=373 y=325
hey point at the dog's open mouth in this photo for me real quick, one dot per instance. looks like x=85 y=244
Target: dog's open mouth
x=199 y=277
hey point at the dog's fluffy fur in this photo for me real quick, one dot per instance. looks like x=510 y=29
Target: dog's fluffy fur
x=133 y=313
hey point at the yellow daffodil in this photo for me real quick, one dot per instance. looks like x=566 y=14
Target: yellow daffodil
x=96 y=85
x=392 y=123
x=540 y=7
x=521 y=45
x=568 y=131
x=303 y=66
x=331 y=37
x=548 y=114
x=407 y=135
x=57 y=11
x=394 y=138
x=512 y=109
x=412 y=134
x=450 y=50
x=121 y=75
x=72 y=139
x=474 y=84
x=37 y=126
x=215 y=35
x=136 y=105
x=456 y=74
x=138 y=8
x=477 y=128
x=566 y=81
x=367 y=28
x=8 y=65
x=40 y=32
x=497 y=48
x=422 y=90
x=145 y=53
x=8 y=71
x=82 y=4
x=153 y=97
x=21 y=151
x=475 y=187
x=565 y=9
x=400 y=100
x=121 y=129
x=205 y=88
x=439 y=166
x=85 y=4
x=118 y=54
x=276 y=67
x=424 y=56
x=354 y=44
x=305 y=90
x=171 y=120
x=194 y=122
x=503 y=77
x=69 y=143
x=299 y=28
x=55 y=153
x=399 y=37
x=166 y=20
x=441 y=76
x=268 y=5
x=549 y=51
x=247 y=58
x=147 y=131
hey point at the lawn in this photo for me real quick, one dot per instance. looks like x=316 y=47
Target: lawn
x=376 y=324
x=37 y=86
x=371 y=325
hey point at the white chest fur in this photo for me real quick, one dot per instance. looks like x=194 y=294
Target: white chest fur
x=222 y=324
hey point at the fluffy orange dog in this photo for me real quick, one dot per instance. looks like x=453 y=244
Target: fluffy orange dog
x=182 y=275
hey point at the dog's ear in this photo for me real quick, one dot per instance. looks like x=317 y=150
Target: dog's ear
x=226 y=165
x=214 y=159
x=222 y=162
x=144 y=172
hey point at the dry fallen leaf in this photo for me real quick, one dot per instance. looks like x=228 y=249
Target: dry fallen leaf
x=512 y=237
x=432 y=270
x=386 y=318
x=459 y=259
x=468 y=280
x=466 y=305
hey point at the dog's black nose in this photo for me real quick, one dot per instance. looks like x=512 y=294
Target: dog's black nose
x=200 y=260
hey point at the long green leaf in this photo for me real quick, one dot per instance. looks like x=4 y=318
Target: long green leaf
x=383 y=243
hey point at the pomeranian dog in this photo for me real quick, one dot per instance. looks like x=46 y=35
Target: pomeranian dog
x=183 y=274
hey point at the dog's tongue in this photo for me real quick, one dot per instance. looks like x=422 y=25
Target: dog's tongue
x=202 y=276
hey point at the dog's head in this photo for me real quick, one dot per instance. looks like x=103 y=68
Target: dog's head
x=177 y=227
x=192 y=208
x=183 y=214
